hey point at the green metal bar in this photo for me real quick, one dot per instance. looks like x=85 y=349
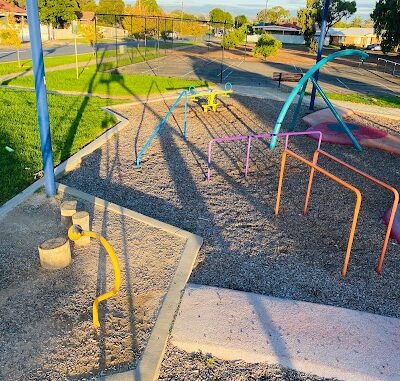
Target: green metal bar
x=297 y=110
x=336 y=115
x=300 y=84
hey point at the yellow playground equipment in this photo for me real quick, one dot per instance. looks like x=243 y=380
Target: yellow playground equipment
x=74 y=233
x=211 y=96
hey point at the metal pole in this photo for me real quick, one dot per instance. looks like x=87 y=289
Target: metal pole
x=145 y=37
x=222 y=56
x=41 y=97
x=158 y=36
x=172 y=48
x=116 y=41
x=320 y=47
x=95 y=41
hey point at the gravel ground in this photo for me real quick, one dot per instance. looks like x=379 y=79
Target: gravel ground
x=181 y=366
x=46 y=330
x=245 y=246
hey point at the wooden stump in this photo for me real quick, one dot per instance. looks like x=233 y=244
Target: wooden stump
x=82 y=219
x=55 y=253
x=68 y=209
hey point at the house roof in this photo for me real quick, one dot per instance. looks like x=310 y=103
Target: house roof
x=85 y=15
x=7 y=8
x=274 y=27
x=358 y=32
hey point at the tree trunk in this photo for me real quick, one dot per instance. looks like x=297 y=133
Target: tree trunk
x=19 y=61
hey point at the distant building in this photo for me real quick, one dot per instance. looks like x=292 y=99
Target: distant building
x=7 y=9
x=361 y=37
x=85 y=17
x=286 y=33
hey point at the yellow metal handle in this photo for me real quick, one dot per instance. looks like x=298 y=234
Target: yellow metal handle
x=74 y=233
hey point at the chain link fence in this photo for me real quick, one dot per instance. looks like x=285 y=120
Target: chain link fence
x=123 y=40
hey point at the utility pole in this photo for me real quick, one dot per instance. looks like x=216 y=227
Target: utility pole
x=181 y=17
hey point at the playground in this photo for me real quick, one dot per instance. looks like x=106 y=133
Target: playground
x=209 y=223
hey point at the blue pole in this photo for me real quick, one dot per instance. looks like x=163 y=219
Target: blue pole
x=41 y=96
x=320 y=47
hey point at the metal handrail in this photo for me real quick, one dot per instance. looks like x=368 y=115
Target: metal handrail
x=74 y=233
x=336 y=179
x=368 y=177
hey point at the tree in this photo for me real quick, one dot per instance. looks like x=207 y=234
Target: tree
x=307 y=18
x=111 y=7
x=87 y=5
x=57 y=13
x=313 y=12
x=240 y=21
x=219 y=17
x=386 y=18
x=138 y=26
x=357 y=22
x=10 y=35
x=339 y=9
x=267 y=45
x=89 y=33
x=273 y=15
x=234 y=38
x=186 y=27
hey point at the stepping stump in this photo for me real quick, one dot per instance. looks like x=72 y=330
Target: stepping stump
x=55 y=253
x=68 y=209
x=82 y=219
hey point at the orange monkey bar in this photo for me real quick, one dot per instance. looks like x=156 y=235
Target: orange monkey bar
x=371 y=178
x=314 y=167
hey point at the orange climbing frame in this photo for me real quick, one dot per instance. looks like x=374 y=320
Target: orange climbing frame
x=317 y=153
x=314 y=167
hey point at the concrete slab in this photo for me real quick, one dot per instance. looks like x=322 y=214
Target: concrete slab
x=323 y=340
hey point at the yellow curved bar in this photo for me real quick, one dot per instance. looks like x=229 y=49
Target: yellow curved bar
x=74 y=233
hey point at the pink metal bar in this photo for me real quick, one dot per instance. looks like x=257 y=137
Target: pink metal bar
x=249 y=138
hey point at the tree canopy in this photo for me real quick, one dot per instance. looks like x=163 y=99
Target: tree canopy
x=87 y=5
x=273 y=15
x=339 y=10
x=386 y=19
x=240 y=21
x=313 y=13
x=218 y=16
x=57 y=13
x=113 y=7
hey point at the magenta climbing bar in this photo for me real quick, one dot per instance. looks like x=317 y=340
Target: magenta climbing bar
x=249 y=139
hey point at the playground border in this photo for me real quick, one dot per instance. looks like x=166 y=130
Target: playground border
x=149 y=365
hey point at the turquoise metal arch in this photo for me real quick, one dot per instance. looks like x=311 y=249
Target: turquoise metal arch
x=301 y=86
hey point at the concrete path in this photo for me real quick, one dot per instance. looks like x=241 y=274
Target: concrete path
x=281 y=95
x=323 y=340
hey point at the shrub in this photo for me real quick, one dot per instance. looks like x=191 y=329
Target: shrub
x=234 y=38
x=313 y=47
x=266 y=46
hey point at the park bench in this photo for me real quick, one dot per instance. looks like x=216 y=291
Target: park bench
x=286 y=77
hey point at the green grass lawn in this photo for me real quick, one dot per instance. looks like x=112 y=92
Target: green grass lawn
x=383 y=101
x=75 y=121
x=106 y=83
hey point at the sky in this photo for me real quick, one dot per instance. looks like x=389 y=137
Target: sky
x=251 y=7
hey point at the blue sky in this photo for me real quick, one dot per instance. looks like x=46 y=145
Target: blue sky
x=251 y=7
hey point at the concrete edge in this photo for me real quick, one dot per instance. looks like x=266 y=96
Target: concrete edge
x=149 y=365
x=69 y=164
x=61 y=188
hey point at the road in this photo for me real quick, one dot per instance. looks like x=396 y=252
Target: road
x=67 y=48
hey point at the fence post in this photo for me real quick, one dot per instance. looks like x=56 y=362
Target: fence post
x=116 y=41
x=223 y=52
x=95 y=42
